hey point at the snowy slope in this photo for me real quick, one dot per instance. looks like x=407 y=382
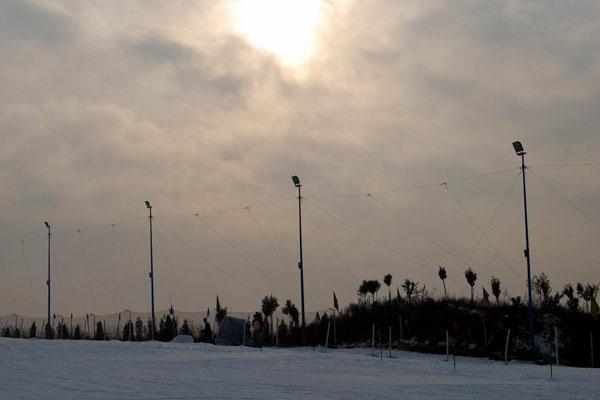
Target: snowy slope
x=38 y=369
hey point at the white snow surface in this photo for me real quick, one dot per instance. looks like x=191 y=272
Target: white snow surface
x=40 y=369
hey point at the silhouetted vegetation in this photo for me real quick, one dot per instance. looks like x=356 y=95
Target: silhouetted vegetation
x=471 y=277
x=474 y=328
x=418 y=321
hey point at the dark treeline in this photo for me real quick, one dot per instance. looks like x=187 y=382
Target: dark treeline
x=418 y=322
x=137 y=330
x=475 y=328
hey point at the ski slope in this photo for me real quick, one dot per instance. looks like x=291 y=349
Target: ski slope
x=39 y=369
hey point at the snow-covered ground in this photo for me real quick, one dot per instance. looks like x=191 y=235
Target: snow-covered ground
x=39 y=369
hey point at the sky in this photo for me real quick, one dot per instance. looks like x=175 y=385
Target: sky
x=209 y=107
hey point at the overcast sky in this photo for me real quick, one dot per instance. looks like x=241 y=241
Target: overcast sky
x=208 y=107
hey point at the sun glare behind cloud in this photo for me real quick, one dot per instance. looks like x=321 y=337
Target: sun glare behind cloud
x=287 y=28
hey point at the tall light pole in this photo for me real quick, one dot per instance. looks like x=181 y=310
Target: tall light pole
x=149 y=207
x=521 y=152
x=296 y=181
x=48 y=325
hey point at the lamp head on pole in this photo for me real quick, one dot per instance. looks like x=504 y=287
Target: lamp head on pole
x=47 y=224
x=296 y=181
x=519 y=148
x=148 y=204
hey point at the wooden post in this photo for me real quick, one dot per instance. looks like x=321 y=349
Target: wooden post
x=454 y=359
x=327 y=336
x=390 y=340
x=277 y=334
x=506 y=347
x=447 y=347
x=380 y=344
x=556 y=348
x=373 y=341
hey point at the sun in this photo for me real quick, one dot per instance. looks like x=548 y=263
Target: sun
x=286 y=28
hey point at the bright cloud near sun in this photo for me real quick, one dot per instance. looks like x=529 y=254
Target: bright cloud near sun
x=286 y=28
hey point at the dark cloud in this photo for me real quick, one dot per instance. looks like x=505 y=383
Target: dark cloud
x=35 y=23
x=159 y=49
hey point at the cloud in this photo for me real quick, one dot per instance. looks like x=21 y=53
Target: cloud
x=105 y=105
x=35 y=23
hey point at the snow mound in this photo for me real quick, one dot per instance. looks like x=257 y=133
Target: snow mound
x=183 y=339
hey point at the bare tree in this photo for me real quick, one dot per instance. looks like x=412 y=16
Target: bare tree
x=373 y=287
x=388 y=281
x=471 y=277
x=496 y=291
x=443 y=275
x=411 y=288
x=268 y=306
x=572 y=300
x=363 y=290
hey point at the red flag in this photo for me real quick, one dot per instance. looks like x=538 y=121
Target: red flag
x=335 y=302
x=486 y=298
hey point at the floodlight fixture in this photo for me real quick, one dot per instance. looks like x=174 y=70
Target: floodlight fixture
x=296 y=181
x=518 y=146
x=148 y=204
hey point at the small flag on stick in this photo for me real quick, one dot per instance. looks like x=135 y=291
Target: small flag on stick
x=486 y=298
x=335 y=302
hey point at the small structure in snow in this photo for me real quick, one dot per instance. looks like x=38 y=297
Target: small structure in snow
x=183 y=339
x=231 y=332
